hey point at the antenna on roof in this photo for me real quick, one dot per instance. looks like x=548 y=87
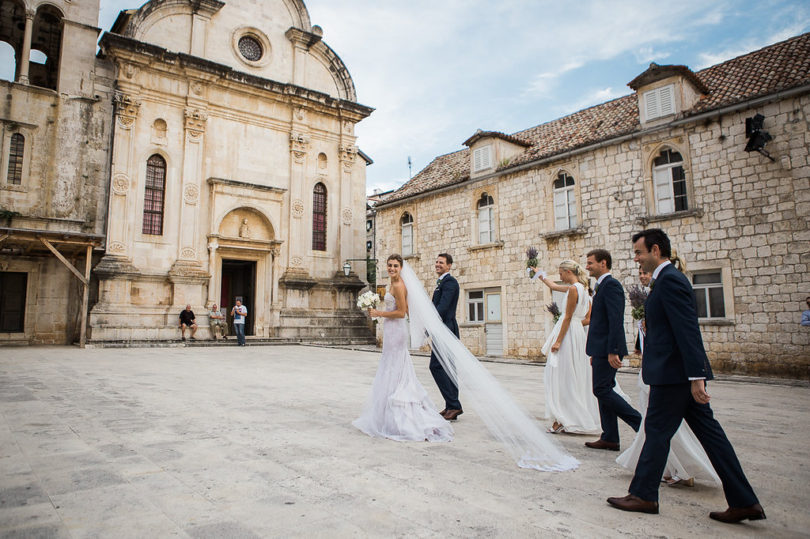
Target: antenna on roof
x=410 y=171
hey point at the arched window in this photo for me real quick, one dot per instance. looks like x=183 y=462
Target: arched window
x=486 y=223
x=154 y=195
x=12 y=33
x=16 y=152
x=319 y=217
x=565 y=202
x=47 y=40
x=669 y=182
x=407 y=234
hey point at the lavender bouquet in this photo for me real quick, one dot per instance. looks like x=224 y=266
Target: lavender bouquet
x=554 y=310
x=637 y=298
x=531 y=260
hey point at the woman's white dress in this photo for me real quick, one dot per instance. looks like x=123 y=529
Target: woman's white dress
x=568 y=375
x=686 y=459
x=398 y=406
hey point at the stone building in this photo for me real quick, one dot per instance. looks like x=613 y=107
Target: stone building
x=55 y=121
x=235 y=173
x=672 y=154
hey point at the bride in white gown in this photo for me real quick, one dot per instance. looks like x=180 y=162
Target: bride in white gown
x=570 y=402
x=399 y=407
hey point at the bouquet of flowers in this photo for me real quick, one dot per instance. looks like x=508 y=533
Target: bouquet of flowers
x=531 y=262
x=637 y=298
x=367 y=300
x=554 y=310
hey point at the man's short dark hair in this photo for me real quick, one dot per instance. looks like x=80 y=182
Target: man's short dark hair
x=655 y=236
x=447 y=258
x=600 y=255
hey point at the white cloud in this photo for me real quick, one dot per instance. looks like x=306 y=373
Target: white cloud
x=593 y=97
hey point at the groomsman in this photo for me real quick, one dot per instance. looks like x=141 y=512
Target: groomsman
x=676 y=368
x=606 y=345
x=445 y=298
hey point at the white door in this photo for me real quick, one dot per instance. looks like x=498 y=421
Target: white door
x=494 y=327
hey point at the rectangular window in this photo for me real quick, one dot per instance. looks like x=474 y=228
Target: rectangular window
x=565 y=209
x=679 y=188
x=15 y=159
x=12 y=301
x=659 y=102
x=475 y=306
x=486 y=232
x=708 y=288
x=407 y=239
x=482 y=158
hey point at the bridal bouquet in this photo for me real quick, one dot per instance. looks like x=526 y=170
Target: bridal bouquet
x=637 y=298
x=531 y=260
x=367 y=300
x=554 y=310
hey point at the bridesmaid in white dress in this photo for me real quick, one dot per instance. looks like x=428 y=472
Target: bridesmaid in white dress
x=687 y=459
x=569 y=395
x=398 y=406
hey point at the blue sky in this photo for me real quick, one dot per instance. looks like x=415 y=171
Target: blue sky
x=438 y=70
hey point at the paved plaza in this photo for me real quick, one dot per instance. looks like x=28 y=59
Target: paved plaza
x=229 y=442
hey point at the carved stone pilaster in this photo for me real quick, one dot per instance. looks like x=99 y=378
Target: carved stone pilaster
x=195 y=122
x=299 y=144
x=126 y=109
x=348 y=156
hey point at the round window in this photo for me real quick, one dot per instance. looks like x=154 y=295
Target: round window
x=250 y=48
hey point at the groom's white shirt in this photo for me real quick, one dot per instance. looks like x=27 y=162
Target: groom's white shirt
x=442 y=277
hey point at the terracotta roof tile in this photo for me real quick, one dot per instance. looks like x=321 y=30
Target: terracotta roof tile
x=774 y=68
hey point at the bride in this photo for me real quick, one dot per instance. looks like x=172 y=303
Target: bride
x=399 y=407
x=503 y=417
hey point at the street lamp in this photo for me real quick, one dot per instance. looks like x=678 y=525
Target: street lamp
x=347 y=268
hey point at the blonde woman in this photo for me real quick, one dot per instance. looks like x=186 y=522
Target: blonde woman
x=569 y=397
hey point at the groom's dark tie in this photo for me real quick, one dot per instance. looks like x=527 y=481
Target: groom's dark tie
x=438 y=282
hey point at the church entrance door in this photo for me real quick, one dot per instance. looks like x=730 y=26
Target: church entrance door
x=239 y=282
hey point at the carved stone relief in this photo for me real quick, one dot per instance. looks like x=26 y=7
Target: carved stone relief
x=298 y=208
x=120 y=184
x=191 y=194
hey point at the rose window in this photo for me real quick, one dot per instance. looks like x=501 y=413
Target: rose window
x=250 y=48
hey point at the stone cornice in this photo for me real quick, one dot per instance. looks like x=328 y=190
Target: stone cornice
x=113 y=44
x=245 y=185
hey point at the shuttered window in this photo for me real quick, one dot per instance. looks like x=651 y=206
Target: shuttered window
x=486 y=224
x=482 y=158
x=407 y=234
x=565 y=202
x=659 y=102
x=669 y=182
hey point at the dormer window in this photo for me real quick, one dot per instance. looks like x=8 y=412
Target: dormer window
x=659 y=102
x=482 y=158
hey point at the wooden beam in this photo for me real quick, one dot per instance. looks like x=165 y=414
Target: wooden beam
x=64 y=261
x=85 y=296
x=4 y=236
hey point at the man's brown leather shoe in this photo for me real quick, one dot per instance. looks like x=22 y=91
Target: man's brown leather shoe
x=738 y=514
x=443 y=412
x=635 y=504
x=452 y=415
x=602 y=444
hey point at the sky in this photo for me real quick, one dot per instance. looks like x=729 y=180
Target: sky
x=436 y=71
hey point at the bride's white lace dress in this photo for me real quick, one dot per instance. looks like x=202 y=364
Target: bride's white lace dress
x=399 y=407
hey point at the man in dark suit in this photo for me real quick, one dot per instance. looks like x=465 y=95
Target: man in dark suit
x=445 y=298
x=676 y=368
x=606 y=345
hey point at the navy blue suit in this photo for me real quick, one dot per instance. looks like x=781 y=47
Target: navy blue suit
x=606 y=336
x=674 y=353
x=445 y=298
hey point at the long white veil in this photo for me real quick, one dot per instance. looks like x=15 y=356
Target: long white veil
x=505 y=419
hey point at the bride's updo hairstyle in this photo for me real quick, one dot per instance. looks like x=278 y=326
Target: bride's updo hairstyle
x=397 y=258
x=577 y=270
x=677 y=261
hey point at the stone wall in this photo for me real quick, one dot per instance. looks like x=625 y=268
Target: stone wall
x=747 y=218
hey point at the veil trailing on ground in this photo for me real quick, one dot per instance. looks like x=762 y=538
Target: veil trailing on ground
x=505 y=419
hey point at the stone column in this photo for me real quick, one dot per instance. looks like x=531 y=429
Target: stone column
x=122 y=186
x=26 y=50
x=192 y=170
x=213 y=271
x=298 y=241
x=348 y=157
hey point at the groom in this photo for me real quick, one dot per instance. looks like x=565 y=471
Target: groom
x=676 y=368
x=606 y=345
x=445 y=299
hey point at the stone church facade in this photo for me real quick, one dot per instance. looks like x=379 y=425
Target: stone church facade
x=671 y=155
x=231 y=172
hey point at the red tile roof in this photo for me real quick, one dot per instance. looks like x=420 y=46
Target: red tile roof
x=766 y=71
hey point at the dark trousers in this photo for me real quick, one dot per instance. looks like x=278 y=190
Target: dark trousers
x=611 y=405
x=669 y=405
x=239 y=329
x=448 y=389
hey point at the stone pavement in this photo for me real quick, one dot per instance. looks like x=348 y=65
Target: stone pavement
x=258 y=442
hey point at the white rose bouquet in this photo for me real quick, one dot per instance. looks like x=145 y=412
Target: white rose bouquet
x=367 y=300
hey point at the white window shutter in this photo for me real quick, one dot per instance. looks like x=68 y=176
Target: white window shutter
x=572 y=209
x=560 y=210
x=482 y=159
x=667 y=100
x=477 y=160
x=664 y=199
x=651 y=104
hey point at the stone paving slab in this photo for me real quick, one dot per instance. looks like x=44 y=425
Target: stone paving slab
x=258 y=442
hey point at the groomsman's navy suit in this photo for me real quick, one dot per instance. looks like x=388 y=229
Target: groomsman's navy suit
x=445 y=298
x=606 y=336
x=674 y=354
